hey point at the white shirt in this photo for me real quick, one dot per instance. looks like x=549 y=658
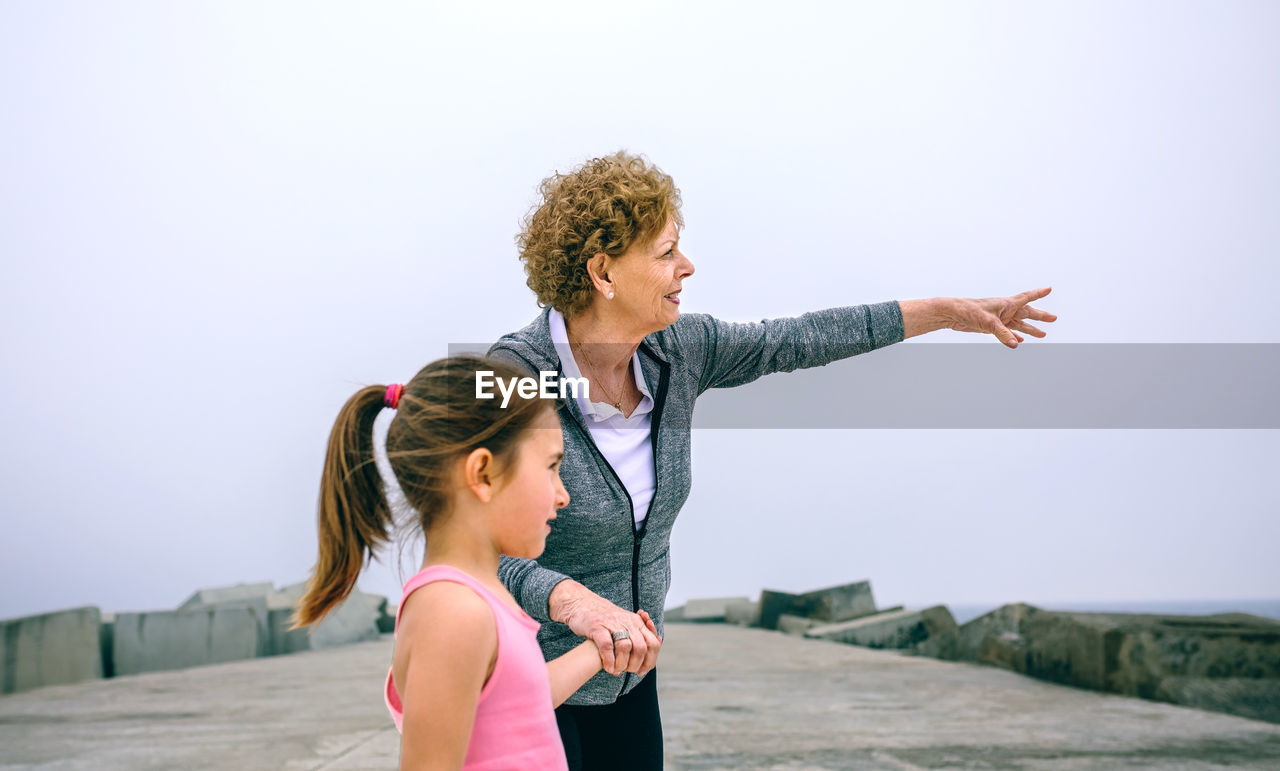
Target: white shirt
x=624 y=441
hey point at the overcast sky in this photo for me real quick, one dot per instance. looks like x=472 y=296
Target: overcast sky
x=220 y=219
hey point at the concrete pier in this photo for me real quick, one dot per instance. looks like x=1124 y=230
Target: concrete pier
x=732 y=698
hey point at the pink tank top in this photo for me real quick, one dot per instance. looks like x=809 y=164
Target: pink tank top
x=515 y=725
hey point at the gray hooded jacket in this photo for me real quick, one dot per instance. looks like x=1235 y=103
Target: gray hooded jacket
x=594 y=540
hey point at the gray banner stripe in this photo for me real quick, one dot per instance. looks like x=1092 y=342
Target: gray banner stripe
x=1035 y=386
x=1039 y=385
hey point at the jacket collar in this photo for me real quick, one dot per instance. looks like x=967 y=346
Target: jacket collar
x=534 y=345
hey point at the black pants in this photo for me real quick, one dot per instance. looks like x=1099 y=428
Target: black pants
x=624 y=735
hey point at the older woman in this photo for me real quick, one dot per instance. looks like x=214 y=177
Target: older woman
x=602 y=254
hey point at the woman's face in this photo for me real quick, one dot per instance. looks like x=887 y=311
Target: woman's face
x=647 y=281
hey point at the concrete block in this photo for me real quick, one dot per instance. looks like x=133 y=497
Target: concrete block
x=1066 y=648
x=50 y=649
x=253 y=595
x=260 y=613
x=1007 y=650
x=1152 y=648
x=177 y=639
x=355 y=620
x=796 y=626
x=281 y=639
x=774 y=603
x=842 y=603
x=742 y=613
x=384 y=613
x=1069 y=649
x=223 y=594
x=106 y=636
x=996 y=638
x=1254 y=698
x=709 y=610
x=896 y=629
x=1228 y=662
x=834 y=603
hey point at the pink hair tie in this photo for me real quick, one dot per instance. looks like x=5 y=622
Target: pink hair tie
x=392 y=399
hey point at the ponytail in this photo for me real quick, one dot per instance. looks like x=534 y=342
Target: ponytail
x=438 y=420
x=354 y=517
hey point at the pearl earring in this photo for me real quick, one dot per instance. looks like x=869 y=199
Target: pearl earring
x=610 y=295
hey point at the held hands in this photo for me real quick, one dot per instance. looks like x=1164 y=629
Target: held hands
x=1003 y=317
x=653 y=643
x=590 y=615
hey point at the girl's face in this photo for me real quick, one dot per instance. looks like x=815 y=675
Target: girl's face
x=531 y=492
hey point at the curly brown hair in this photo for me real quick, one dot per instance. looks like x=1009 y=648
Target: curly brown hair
x=605 y=205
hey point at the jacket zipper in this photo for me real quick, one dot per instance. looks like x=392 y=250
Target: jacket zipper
x=636 y=535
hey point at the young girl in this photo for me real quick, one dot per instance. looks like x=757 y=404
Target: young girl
x=468 y=687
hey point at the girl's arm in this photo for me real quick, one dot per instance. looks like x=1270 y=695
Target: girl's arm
x=568 y=672
x=453 y=642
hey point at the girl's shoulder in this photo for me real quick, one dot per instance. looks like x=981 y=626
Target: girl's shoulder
x=445 y=622
x=491 y=592
x=447 y=604
x=443 y=594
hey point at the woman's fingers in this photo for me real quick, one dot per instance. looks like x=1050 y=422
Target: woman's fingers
x=653 y=641
x=641 y=640
x=604 y=644
x=1035 y=314
x=598 y=620
x=636 y=652
x=1031 y=295
x=1003 y=317
x=650 y=660
x=996 y=327
x=625 y=654
x=1022 y=326
x=623 y=658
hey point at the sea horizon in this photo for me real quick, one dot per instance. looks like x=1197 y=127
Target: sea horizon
x=964 y=612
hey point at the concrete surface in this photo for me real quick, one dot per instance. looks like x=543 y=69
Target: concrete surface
x=50 y=649
x=732 y=698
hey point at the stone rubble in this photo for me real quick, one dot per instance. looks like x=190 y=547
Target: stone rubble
x=213 y=625
x=1223 y=663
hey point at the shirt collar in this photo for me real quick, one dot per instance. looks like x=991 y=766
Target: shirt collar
x=598 y=412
